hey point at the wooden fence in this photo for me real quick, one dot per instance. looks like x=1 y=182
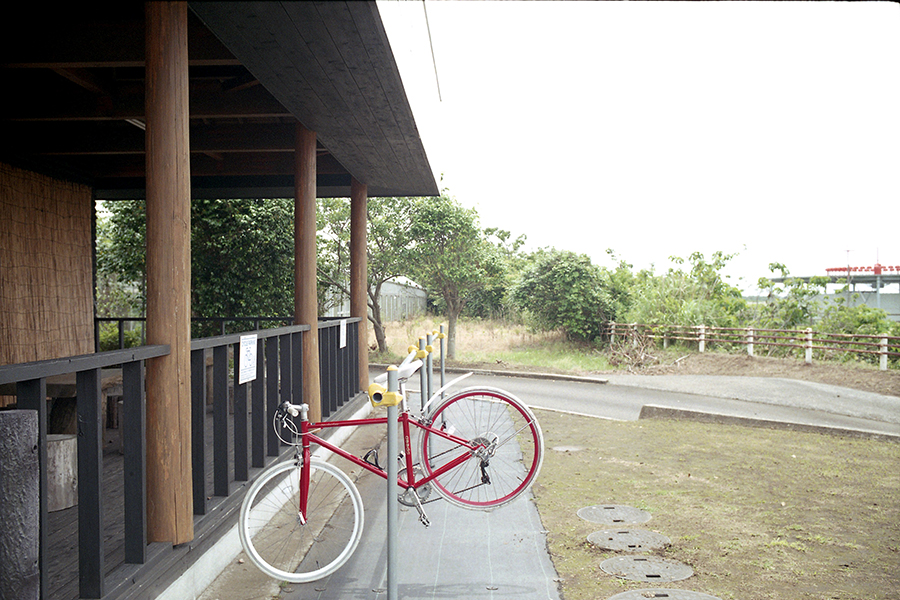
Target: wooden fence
x=884 y=347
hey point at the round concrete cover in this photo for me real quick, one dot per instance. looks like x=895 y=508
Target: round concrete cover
x=658 y=593
x=628 y=540
x=650 y=568
x=613 y=514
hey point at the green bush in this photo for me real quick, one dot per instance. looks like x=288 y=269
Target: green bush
x=109 y=337
x=564 y=290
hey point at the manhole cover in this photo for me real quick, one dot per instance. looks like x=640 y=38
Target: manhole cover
x=613 y=514
x=670 y=594
x=628 y=540
x=650 y=568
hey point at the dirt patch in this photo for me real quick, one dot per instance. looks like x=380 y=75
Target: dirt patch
x=758 y=514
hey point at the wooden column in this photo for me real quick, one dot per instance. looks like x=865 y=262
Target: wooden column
x=306 y=310
x=359 y=306
x=169 y=494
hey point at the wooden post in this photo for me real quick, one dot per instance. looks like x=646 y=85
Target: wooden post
x=306 y=310
x=359 y=292
x=809 y=345
x=169 y=494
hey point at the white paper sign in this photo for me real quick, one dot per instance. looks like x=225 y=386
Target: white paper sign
x=248 y=358
x=343 y=333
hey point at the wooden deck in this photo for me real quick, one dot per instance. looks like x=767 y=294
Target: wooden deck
x=63 y=575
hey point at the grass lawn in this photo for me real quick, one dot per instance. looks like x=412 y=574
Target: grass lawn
x=757 y=513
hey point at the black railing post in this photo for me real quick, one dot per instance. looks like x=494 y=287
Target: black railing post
x=286 y=368
x=134 y=445
x=91 y=557
x=258 y=399
x=272 y=399
x=241 y=451
x=354 y=357
x=198 y=429
x=220 y=420
x=296 y=366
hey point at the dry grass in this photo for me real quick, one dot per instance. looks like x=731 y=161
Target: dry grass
x=496 y=345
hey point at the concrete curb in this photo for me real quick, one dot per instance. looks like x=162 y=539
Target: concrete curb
x=650 y=411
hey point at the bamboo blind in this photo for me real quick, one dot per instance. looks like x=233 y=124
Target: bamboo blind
x=46 y=276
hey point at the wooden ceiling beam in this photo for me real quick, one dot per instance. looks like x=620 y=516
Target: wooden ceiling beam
x=252 y=102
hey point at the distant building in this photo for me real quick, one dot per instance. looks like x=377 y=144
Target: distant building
x=401 y=298
x=877 y=286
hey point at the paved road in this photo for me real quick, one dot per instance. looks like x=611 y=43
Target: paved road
x=772 y=399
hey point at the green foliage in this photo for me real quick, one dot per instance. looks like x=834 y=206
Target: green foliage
x=564 y=290
x=859 y=320
x=451 y=257
x=109 y=337
x=387 y=252
x=793 y=303
x=241 y=256
x=492 y=301
x=699 y=295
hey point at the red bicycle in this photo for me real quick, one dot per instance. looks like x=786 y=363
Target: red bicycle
x=302 y=519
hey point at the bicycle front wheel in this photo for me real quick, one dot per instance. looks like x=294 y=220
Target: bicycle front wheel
x=503 y=452
x=289 y=547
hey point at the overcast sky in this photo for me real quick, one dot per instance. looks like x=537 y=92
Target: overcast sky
x=767 y=129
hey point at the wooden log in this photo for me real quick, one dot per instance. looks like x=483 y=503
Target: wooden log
x=359 y=305
x=169 y=493
x=306 y=306
x=62 y=471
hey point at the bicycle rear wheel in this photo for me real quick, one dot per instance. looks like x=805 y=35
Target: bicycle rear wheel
x=277 y=539
x=509 y=448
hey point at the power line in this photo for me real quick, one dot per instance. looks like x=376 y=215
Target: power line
x=431 y=45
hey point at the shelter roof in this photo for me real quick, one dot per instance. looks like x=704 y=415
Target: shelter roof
x=73 y=102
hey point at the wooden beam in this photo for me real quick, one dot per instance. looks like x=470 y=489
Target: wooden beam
x=359 y=306
x=306 y=309
x=169 y=490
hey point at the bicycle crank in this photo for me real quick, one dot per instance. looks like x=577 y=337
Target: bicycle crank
x=421 y=493
x=404 y=499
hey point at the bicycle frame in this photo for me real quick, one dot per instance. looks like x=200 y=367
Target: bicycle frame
x=406 y=422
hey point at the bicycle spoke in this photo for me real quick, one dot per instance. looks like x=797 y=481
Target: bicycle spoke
x=494 y=426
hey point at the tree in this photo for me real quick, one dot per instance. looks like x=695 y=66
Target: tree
x=450 y=255
x=242 y=258
x=564 y=290
x=387 y=253
x=241 y=255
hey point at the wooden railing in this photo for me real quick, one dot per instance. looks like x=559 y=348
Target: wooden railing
x=884 y=347
x=237 y=417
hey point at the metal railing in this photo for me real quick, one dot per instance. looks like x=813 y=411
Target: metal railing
x=236 y=415
x=883 y=346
